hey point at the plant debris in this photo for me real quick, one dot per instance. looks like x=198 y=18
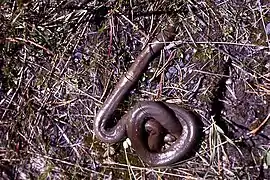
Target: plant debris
x=60 y=60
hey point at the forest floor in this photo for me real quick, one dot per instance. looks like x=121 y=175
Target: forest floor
x=60 y=60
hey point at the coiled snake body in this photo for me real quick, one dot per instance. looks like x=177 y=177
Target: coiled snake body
x=176 y=121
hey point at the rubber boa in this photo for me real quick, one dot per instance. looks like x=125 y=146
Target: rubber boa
x=175 y=120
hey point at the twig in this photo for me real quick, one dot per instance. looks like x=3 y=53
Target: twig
x=255 y=131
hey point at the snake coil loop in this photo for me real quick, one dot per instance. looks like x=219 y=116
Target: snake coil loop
x=175 y=120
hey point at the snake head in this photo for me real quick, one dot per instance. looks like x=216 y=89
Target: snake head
x=156 y=134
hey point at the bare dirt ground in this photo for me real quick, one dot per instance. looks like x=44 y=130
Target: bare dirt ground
x=60 y=60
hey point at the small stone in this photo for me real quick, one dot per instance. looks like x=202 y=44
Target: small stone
x=267 y=29
x=229 y=81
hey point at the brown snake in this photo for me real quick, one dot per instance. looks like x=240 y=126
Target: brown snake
x=148 y=117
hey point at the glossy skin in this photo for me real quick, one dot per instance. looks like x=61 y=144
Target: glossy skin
x=174 y=119
x=156 y=135
x=184 y=127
